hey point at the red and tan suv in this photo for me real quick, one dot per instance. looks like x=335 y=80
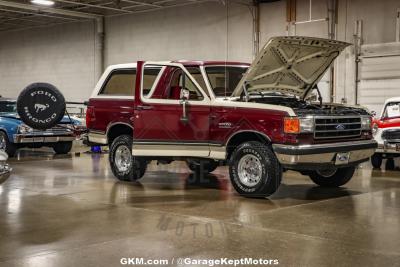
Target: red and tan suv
x=255 y=118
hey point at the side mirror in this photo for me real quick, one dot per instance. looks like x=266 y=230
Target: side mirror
x=373 y=113
x=184 y=96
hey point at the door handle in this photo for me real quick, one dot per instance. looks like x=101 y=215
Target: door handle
x=184 y=117
x=140 y=107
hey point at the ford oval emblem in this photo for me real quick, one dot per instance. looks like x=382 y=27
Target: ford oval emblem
x=340 y=127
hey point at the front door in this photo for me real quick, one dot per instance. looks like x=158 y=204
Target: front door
x=172 y=118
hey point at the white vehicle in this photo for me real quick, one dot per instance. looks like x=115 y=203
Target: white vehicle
x=386 y=131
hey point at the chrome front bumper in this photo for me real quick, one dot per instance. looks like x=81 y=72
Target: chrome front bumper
x=27 y=138
x=321 y=156
x=389 y=148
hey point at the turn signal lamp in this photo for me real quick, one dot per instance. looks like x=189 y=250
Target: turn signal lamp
x=291 y=125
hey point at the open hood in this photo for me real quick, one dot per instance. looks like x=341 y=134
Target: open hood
x=11 y=115
x=291 y=65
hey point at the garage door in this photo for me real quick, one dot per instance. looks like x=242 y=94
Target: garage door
x=379 y=74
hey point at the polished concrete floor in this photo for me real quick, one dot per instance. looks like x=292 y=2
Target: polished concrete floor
x=70 y=211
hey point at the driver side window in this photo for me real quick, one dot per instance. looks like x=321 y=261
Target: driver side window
x=172 y=82
x=179 y=80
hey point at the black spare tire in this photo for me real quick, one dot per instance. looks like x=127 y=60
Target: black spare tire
x=41 y=106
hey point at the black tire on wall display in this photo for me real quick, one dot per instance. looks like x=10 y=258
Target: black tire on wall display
x=41 y=106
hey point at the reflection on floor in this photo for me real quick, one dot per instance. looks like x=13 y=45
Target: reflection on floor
x=70 y=211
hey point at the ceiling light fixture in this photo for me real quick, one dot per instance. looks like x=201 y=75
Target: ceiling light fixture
x=43 y=2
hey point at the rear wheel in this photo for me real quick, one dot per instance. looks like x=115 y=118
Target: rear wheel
x=202 y=166
x=6 y=145
x=62 y=147
x=376 y=161
x=123 y=165
x=332 y=177
x=254 y=170
x=389 y=164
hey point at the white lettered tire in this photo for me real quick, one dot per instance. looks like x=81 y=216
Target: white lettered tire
x=123 y=165
x=254 y=170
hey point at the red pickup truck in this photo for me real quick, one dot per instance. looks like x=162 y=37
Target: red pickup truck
x=256 y=118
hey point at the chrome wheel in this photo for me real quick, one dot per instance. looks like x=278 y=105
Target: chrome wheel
x=249 y=170
x=327 y=173
x=3 y=143
x=123 y=158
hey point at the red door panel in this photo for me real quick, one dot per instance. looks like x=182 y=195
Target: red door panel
x=162 y=122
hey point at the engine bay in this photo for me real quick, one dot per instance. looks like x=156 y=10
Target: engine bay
x=303 y=107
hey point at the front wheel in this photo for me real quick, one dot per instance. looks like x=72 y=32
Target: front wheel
x=123 y=165
x=332 y=177
x=6 y=145
x=376 y=161
x=62 y=147
x=254 y=170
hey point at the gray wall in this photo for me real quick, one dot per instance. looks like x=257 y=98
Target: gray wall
x=192 y=32
x=64 y=54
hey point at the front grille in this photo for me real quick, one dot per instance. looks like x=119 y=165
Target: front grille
x=337 y=127
x=391 y=135
x=52 y=131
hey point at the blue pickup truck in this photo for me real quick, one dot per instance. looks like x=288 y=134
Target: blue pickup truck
x=14 y=134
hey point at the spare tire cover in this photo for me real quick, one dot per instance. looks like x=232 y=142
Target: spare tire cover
x=41 y=106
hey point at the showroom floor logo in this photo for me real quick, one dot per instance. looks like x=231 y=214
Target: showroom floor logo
x=192 y=229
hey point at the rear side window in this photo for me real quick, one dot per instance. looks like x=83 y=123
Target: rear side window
x=120 y=83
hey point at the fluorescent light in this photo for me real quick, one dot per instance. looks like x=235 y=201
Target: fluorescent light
x=43 y=2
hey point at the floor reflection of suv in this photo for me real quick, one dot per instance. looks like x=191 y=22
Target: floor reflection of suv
x=255 y=119
x=386 y=130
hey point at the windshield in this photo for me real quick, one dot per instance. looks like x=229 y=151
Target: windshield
x=392 y=110
x=223 y=80
x=8 y=107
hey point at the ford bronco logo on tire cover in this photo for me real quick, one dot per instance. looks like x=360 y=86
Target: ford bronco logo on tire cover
x=41 y=106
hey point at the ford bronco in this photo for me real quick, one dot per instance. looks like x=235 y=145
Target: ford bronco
x=257 y=119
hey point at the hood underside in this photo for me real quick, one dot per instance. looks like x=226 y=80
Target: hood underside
x=290 y=65
x=13 y=115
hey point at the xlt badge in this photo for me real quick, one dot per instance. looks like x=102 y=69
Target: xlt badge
x=225 y=125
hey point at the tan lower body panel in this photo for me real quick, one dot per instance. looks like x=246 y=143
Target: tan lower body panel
x=97 y=138
x=176 y=150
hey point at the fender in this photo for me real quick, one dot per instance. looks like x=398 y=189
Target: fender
x=9 y=128
x=109 y=126
x=247 y=131
x=110 y=136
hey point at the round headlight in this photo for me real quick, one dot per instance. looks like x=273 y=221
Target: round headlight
x=23 y=129
x=366 y=123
